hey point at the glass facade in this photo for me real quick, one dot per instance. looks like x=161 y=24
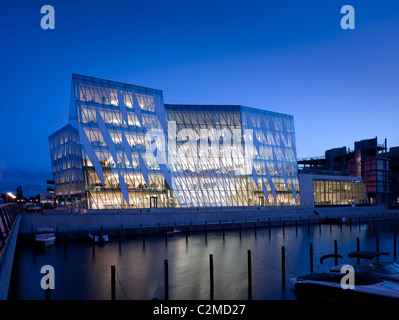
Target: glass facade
x=338 y=192
x=134 y=151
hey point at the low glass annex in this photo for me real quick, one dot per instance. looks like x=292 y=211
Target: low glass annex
x=125 y=148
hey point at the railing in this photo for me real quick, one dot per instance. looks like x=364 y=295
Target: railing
x=8 y=215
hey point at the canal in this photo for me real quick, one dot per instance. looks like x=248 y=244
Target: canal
x=83 y=271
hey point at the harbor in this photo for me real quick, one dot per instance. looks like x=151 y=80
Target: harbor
x=224 y=260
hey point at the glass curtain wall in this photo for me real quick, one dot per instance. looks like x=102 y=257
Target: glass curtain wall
x=136 y=152
x=338 y=192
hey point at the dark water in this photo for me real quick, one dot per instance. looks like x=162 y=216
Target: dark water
x=82 y=272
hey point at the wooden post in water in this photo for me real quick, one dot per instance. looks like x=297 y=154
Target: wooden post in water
x=394 y=245
x=283 y=229
x=206 y=233
x=335 y=252
x=311 y=257
x=211 y=275
x=166 y=237
x=186 y=234
x=166 y=272
x=240 y=230
x=283 y=263
x=255 y=228
x=120 y=244
x=296 y=226
x=249 y=275
x=113 y=283
x=143 y=234
x=223 y=231
x=358 y=248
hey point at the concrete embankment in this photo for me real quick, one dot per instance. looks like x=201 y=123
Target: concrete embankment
x=151 y=221
x=10 y=222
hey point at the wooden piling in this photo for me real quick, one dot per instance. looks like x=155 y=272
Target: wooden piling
x=255 y=228
x=336 y=252
x=166 y=276
x=211 y=276
x=223 y=231
x=113 y=283
x=311 y=257
x=249 y=275
x=283 y=263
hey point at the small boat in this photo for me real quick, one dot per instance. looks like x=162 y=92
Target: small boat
x=45 y=237
x=174 y=231
x=329 y=285
x=384 y=270
x=98 y=238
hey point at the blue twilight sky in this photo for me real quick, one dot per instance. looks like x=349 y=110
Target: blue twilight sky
x=287 y=56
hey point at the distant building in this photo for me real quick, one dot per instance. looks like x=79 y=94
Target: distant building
x=393 y=155
x=369 y=161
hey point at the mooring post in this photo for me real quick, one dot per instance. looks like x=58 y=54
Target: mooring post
x=119 y=236
x=249 y=275
x=394 y=245
x=283 y=228
x=166 y=237
x=283 y=263
x=296 y=226
x=166 y=272
x=336 y=252
x=240 y=230
x=311 y=257
x=223 y=231
x=206 y=233
x=211 y=275
x=186 y=234
x=255 y=228
x=143 y=234
x=113 y=282
x=358 y=248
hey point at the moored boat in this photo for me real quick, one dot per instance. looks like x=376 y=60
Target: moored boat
x=332 y=285
x=45 y=237
x=98 y=238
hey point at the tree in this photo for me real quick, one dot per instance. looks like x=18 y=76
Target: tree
x=20 y=194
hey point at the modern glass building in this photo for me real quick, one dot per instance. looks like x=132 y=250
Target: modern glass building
x=125 y=148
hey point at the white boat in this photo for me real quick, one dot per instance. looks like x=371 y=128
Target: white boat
x=328 y=285
x=45 y=237
x=98 y=238
x=174 y=231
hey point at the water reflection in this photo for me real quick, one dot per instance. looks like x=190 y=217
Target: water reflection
x=83 y=271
